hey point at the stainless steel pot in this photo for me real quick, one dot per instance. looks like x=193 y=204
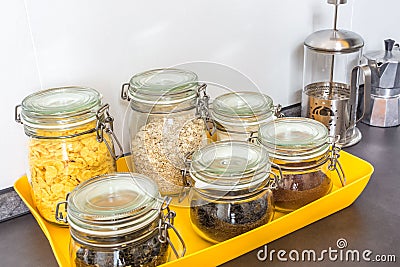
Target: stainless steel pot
x=383 y=94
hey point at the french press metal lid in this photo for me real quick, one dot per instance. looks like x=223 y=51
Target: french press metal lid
x=335 y=41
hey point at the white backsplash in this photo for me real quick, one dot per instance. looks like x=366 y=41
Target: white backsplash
x=101 y=44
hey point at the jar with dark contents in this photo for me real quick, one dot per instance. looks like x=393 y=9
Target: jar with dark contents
x=307 y=157
x=118 y=220
x=231 y=189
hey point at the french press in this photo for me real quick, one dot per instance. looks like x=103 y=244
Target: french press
x=331 y=69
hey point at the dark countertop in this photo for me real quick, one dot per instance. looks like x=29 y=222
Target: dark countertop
x=370 y=223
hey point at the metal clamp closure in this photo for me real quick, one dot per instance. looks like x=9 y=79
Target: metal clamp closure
x=202 y=109
x=334 y=165
x=273 y=182
x=166 y=222
x=106 y=123
x=278 y=111
x=124 y=92
x=185 y=172
x=253 y=137
x=17 y=114
x=60 y=217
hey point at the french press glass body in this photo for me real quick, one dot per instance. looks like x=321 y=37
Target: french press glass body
x=329 y=95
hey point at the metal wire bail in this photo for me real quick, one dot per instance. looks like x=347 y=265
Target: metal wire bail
x=60 y=217
x=273 y=183
x=184 y=172
x=278 y=111
x=17 y=114
x=124 y=92
x=106 y=123
x=334 y=165
x=166 y=222
x=202 y=109
x=252 y=137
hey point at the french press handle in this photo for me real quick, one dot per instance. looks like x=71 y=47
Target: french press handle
x=366 y=71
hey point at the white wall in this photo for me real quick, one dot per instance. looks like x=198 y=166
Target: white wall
x=101 y=44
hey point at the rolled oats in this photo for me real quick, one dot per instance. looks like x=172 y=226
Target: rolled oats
x=160 y=146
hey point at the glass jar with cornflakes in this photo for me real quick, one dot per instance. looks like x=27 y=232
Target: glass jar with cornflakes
x=70 y=140
x=167 y=119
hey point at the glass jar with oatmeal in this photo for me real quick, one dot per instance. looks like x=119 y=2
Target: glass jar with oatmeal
x=308 y=159
x=119 y=220
x=70 y=140
x=168 y=116
x=238 y=115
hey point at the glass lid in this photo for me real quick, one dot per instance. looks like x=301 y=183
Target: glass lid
x=293 y=133
x=174 y=85
x=226 y=161
x=113 y=197
x=242 y=104
x=64 y=105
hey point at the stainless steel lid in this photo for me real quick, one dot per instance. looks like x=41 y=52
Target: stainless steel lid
x=338 y=41
x=385 y=69
x=389 y=55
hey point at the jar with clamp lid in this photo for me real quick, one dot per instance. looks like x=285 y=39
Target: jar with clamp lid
x=238 y=115
x=70 y=140
x=168 y=117
x=231 y=189
x=119 y=220
x=307 y=156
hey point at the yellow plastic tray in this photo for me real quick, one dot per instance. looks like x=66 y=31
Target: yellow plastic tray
x=201 y=252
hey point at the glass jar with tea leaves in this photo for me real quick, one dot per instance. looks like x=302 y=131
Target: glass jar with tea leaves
x=167 y=118
x=119 y=220
x=230 y=189
x=307 y=156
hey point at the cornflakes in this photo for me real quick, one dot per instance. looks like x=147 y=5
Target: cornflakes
x=57 y=166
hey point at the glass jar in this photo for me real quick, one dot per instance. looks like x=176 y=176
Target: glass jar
x=118 y=220
x=66 y=143
x=167 y=120
x=238 y=115
x=307 y=157
x=231 y=189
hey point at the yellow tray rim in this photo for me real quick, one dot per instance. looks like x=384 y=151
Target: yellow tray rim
x=358 y=174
